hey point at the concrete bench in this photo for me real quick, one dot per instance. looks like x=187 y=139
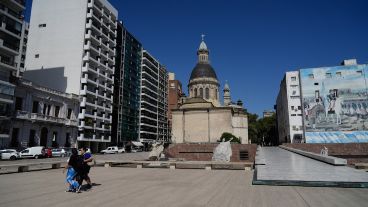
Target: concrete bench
x=207 y=165
x=25 y=167
x=327 y=159
x=363 y=166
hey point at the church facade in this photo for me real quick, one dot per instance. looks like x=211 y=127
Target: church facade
x=202 y=118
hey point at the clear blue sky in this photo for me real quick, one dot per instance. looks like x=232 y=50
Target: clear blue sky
x=252 y=43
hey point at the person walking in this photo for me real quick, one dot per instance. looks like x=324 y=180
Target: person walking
x=73 y=167
x=87 y=158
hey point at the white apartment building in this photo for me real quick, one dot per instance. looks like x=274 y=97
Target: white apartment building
x=289 y=109
x=71 y=48
x=11 y=19
x=153 y=122
x=44 y=117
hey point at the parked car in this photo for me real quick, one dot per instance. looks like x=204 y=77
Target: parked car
x=33 y=152
x=113 y=150
x=9 y=154
x=60 y=152
x=68 y=151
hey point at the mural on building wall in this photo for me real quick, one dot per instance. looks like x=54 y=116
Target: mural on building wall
x=335 y=102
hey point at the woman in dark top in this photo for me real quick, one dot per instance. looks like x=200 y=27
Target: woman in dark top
x=73 y=166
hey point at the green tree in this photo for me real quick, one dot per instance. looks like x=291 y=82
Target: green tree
x=263 y=129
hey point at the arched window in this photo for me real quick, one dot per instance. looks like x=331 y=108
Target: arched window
x=216 y=94
x=201 y=92
x=195 y=92
x=207 y=93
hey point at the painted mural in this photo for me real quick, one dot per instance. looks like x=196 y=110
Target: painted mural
x=335 y=103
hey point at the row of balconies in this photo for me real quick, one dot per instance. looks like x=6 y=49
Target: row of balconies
x=98 y=94
x=106 y=118
x=111 y=28
x=45 y=118
x=102 y=11
x=111 y=37
x=97 y=82
x=11 y=14
x=97 y=61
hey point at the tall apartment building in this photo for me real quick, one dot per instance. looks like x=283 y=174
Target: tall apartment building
x=127 y=88
x=289 y=109
x=10 y=37
x=174 y=97
x=153 y=100
x=71 y=48
x=21 y=58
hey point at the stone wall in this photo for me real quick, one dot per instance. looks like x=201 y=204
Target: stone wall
x=353 y=152
x=204 y=152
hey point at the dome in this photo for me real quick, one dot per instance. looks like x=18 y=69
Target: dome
x=203 y=70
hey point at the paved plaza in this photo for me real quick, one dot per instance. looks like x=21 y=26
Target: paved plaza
x=163 y=187
x=283 y=165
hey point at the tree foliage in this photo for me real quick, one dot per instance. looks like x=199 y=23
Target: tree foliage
x=226 y=136
x=262 y=130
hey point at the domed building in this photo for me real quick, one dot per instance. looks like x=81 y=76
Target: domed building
x=203 y=81
x=202 y=118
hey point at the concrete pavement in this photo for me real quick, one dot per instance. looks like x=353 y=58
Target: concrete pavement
x=282 y=167
x=164 y=187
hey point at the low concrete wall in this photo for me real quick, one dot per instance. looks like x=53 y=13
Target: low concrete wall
x=352 y=152
x=204 y=152
x=327 y=159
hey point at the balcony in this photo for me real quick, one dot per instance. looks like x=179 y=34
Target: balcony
x=9 y=48
x=46 y=118
x=71 y=123
x=9 y=29
x=22 y=115
x=6 y=63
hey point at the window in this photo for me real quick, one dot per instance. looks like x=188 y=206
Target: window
x=316 y=84
x=69 y=115
x=42 y=25
x=299 y=108
x=57 y=110
x=201 y=92
x=294 y=92
x=207 y=93
x=18 y=103
x=293 y=114
x=338 y=74
x=37 y=55
x=300 y=115
x=195 y=92
x=35 y=107
x=328 y=75
x=292 y=107
x=48 y=109
x=293 y=78
x=311 y=76
x=360 y=72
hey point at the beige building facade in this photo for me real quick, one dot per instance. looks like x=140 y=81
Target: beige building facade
x=202 y=118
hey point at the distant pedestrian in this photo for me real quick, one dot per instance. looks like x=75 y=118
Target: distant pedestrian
x=73 y=167
x=87 y=158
